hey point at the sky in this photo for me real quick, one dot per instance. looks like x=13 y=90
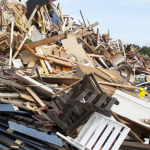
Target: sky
x=128 y=20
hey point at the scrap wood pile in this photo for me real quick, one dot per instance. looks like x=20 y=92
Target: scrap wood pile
x=65 y=86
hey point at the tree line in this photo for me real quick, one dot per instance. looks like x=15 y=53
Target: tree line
x=143 y=50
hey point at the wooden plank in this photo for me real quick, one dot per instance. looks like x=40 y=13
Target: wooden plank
x=35 y=97
x=84 y=34
x=87 y=28
x=63 y=55
x=135 y=145
x=27 y=97
x=68 y=27
x=31 y=64
x=79 y=27
x=62 y=62
x=53 y=96
x=9 y=95
x=89 y=47
x=19 y=26
x=42 y=88
x=42 y=62
x=119 y=85
x=46 y=61
x=62 y=58
x=97 y=36
x=47 y=41
x=58 y=67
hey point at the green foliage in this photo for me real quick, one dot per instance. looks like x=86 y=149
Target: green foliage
x=145 y=50
x=28 y=41
x=136 y=46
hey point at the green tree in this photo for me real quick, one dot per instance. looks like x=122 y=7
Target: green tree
x=136 y=46
x=145 y=50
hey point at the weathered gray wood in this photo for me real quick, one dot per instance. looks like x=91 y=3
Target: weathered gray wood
x=9 y=95
x=12 y=84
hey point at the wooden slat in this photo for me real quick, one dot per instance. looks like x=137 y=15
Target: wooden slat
x=104 y=135
x=42 y=62
x=58 y=67
x=35 y=97
x=119 y=85
x=47 y=41
x=87 y=28
x=63 y=55
x=58 y=61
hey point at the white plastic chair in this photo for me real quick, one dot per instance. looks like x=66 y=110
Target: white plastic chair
x=99 y=133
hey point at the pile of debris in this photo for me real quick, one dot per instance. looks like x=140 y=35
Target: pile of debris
x=65 y=86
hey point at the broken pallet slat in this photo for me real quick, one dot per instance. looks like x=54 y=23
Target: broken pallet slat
x=35 y=96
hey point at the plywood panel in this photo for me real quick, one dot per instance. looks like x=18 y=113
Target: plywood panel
x=74 y=48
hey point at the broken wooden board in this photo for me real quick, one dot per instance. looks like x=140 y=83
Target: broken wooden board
x=47 y=41
x=26 y=57
x=34 y=95
x=76 y=49
x=45 y=90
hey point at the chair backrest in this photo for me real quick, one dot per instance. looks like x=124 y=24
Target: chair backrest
x=102 y=132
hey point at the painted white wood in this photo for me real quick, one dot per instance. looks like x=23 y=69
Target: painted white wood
x=11 y=41
x=104 y=135
x=83 y=131
x=31 y=81
x=89 y=132
x=17 y=63
x=97 y=130
x=120 y=139
x=111 y=138
x=131 y=107
x=63 y=26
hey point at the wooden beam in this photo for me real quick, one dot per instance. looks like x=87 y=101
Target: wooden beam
x=84 y=34
x=53 y=96
x=119 y=85
x=35 y=97
x=47 y=41
x=89 y=47
x=42 y=62
x=87 y=28
x=61 y=58
x=97 y=36
x=79 y=27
